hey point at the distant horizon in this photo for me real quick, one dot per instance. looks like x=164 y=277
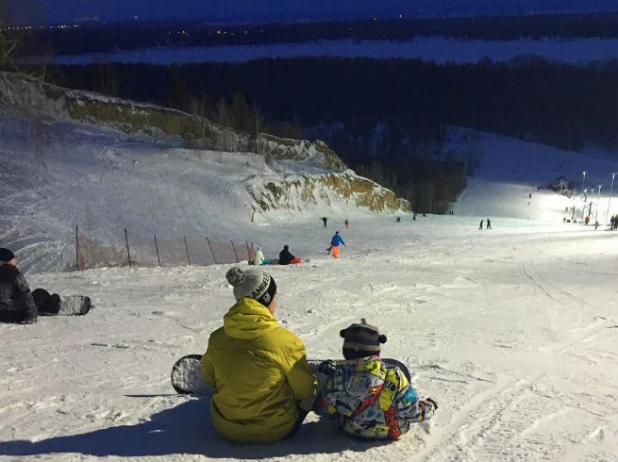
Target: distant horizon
x=48 y=12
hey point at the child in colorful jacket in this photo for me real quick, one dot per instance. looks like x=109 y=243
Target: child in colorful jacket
x=367 y=397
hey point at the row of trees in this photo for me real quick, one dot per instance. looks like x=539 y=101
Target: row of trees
x=559 y=104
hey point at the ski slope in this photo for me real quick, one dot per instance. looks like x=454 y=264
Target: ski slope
x=510 y=170
x=56 y=176
x=512 y=330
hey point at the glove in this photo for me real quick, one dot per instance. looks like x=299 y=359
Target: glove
x=327 y=367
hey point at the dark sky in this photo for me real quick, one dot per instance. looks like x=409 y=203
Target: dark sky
x=54 y=11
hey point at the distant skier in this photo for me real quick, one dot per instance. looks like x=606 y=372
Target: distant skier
x=488 y=224
x=335 y=242
x=325 y=220
x=587 y=220
x=596 y=224
x=346 y=223
x=611 y=222
x=286 y=257
x=367 y=397
x=398 y=220
x=481 y=225
x=414 y=217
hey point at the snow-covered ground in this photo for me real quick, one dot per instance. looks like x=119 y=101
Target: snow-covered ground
x=513 y=331
x=434 y=49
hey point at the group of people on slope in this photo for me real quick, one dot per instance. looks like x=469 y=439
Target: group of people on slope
x=286 y=257
x=264 y=386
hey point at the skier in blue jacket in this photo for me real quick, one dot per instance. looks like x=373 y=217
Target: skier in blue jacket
x=335 y=242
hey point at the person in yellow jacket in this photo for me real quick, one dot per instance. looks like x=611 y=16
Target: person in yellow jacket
x=258 y=369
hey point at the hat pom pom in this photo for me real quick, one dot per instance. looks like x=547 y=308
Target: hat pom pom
x=234 y=276
x=342 y=333
x=382 y=338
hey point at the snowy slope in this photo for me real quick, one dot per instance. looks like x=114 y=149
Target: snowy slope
x=57 y=176
x=510 y=170
x=513 y=331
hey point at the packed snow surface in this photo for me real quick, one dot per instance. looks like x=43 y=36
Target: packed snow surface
x=433 y=49
x=512 y=330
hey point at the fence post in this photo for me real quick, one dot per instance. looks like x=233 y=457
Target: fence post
x=126 y=239
x=187 y=249
x=237 y=260
x=157 y=249
x=211 y=251
x=77 y=248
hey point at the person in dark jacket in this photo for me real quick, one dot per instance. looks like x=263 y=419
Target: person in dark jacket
x=16 y=301
x=286 y=257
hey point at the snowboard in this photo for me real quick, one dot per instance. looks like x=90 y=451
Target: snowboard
x=187 y=379
x=61 y=305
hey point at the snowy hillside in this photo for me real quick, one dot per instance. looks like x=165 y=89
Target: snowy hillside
x=510 y=170
x=56 y=176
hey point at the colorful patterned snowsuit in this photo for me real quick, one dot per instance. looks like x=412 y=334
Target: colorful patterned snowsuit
x=372 y=400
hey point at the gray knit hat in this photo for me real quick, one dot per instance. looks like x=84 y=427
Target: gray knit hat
x=361 y=340
x=253 y=283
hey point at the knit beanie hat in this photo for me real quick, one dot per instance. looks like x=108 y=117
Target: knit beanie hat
x=361 y=340
x=6 y=255
x=253 y=283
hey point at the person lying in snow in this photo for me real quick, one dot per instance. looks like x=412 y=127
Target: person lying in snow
x=258 y=369
x=286 y=257
x=367 y=397
x=19 y=305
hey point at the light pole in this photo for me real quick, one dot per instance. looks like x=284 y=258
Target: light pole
x=609 y=201
x=596 y=209
x=583 y=192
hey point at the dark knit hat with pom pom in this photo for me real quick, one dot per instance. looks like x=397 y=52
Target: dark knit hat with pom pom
x=361 y=340
x=253 y=283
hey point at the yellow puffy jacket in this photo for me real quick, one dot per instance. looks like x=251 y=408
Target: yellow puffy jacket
x=260 y=371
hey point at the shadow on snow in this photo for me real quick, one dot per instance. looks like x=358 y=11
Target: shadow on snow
x=185 y=429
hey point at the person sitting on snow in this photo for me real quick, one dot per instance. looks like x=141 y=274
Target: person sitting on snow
x=264 y=385
x=258 y=258
x=16 y=302
x=286 y=257
x=367 y=397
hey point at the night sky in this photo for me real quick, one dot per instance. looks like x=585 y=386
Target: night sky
x=56 y=11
